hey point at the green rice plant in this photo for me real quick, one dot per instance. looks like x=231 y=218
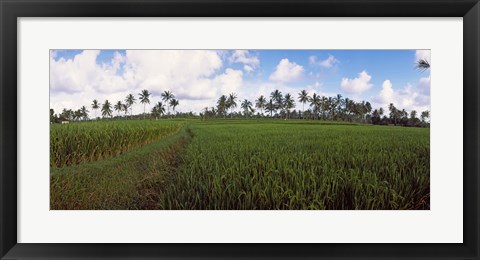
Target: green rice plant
x=132 y=180
x=89 y=141
x=245 y=165
x=290 y=165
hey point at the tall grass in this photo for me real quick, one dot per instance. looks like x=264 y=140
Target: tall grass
x=89 y=141
x=246 y=164
x=302 y=166
x=131 y=180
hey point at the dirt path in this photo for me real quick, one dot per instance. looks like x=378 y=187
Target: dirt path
x=152 y=188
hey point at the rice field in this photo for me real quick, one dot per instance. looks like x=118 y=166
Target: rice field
x=89 y=141
x=255 y=164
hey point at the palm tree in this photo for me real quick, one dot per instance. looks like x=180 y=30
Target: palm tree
x=338 y=103
x=375 y=117
x=67 y=114
x=106 y=109
x=380 y=111
x=424 y=115
x=95 y=106
x=346 y=107
x=166 y=96
x=246 y=106
x=330 y=106
x=350 y=107
x=276 y=95
x=393 y=113
x=222 y=105
x=144 y=99
x=289 y=103
x=84 y=112
x=261 y=102
x=125 y=109
x=174 y=103
x=404 y=117
x=368 y=108
x=413 y=114
x=316 y=103
x=270 y=107
x=52 y=116
x=130 y=100
x=77 y=115
x=303 y=98
x=158 y=110
x=231 y=102
x=208 y=113
x=118 y=107
x=423 y=64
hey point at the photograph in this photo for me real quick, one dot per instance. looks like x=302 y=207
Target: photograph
x=239 y=129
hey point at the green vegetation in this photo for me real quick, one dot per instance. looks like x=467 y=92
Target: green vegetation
x=251 y=164
x=298 y=165
x=127 y=181
x=90 y=141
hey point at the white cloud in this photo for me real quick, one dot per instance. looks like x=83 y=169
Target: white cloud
x=327 y=63
x=357 y=85
x=317 y=87
x=408 y=97
x=73 y=75
x=82 y=72
x=424 y=85
x=387 y=94
x=191 y=75
x=248 y=68
x=183 y=72
x=423 y=55
x=249 y=60
x=229 y=82
x=287 y=71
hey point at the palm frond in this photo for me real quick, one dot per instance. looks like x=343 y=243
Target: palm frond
x=422 y=65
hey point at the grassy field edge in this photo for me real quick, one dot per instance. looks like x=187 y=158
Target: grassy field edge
x=130 y=181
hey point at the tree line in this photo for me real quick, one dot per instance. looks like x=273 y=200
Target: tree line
x=106 y=108
x=276 y=105
x=319 y=107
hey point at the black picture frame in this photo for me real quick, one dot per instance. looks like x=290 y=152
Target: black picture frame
x=10 y=10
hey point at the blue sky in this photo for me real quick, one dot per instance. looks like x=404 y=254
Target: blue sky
x=199 y=77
